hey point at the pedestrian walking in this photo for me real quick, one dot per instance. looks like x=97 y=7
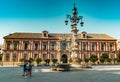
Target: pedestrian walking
x=24 y=67
x=28 y=68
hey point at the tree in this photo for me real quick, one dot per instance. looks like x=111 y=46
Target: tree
x=93 y=58
x=86 y=60
x=109 y=60
x=115 y=60
x=102 y=60
x=104 y=57
x=47 y=61
x=38 y=60
x=54 y=61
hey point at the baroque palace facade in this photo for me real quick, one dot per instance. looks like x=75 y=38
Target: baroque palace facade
x=55 y=46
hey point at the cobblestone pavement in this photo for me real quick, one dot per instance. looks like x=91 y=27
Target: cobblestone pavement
x=43 y=74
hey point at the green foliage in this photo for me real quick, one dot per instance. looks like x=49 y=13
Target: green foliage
x=109 y=60
x=116 y=59
x=86 y=60
x=54 y=60
x=93 y=58
x=104 y=55
x=47 y=61
x=38 y=60
x=102 y=60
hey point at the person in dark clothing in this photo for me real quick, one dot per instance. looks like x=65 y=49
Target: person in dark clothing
x=30 y=68
x=24 y=68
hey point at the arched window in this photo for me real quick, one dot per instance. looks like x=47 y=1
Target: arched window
x=64 y=46
x=83 y=35
x=45 y=34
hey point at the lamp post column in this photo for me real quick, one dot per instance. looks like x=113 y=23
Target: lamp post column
x=74 y=42
x=74 y=45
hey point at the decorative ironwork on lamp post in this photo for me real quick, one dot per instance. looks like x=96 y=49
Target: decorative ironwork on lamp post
x=75 y=19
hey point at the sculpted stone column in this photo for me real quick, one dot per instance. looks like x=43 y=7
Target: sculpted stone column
x=74 y=45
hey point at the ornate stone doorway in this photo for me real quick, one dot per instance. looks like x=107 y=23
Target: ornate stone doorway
x=64 y=58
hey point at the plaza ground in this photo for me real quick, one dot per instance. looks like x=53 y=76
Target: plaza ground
x=99 y=73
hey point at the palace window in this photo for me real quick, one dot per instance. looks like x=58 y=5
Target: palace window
x=64 y=46
x=83 y=35
x=44 y=46
x=25 y=46
x=7 y=57
x=35 y=46
x=8 y=46
x=84 y=46
x=93 y=46
x=15 y=46
x=111 y=47
x=102 y=46
x=45 y=34
x=52 y=46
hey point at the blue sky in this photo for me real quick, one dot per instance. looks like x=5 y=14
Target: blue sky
x=100 y=16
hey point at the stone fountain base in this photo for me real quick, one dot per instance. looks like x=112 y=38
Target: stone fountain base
x=76 y=66
x=80 y=66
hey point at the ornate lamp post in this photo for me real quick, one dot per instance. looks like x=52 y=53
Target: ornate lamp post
x=75 y=19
